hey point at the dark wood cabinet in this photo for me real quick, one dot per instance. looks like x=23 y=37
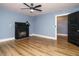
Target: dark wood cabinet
x=73 y=28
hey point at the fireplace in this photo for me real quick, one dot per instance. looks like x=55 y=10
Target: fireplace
x=21 y=30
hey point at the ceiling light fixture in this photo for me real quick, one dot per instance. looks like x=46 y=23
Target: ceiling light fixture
x=31 y=10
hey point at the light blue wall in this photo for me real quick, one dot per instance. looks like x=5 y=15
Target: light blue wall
x=31 y=24
x=44 y=24
x=7 y=22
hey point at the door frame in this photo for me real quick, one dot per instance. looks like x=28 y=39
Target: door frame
x=56 y=22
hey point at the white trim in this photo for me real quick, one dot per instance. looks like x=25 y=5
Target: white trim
x=56 y=27
x=56 y=22
x=62 y=34
x=30 y=34
x=43 y=36
x=7 y=39
x=63 y=14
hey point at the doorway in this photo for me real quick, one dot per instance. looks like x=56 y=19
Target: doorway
x=62 y=29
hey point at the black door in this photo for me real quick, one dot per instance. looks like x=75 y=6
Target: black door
x=73 y=26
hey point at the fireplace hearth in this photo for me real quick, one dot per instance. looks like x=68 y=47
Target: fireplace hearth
x=21 y=30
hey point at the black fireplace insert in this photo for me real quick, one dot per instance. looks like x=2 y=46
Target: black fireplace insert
x=21 y=30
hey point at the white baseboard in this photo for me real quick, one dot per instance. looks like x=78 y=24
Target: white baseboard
x=30 y=34
x=7 y=39
x=43 y=36
x=62 y=34
x=38 y=35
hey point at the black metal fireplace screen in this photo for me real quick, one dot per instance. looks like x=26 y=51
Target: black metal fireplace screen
x=21 y=30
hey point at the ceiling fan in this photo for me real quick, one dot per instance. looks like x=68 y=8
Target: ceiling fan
x=31 y=7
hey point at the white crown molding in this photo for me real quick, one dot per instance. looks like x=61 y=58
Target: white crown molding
x=43 y=36
x=7 y=39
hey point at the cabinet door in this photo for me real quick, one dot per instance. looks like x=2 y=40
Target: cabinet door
x=73 y=25
x=77 y=31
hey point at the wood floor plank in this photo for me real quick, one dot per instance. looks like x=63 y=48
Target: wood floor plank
x=5 y=52
x=43 y=49
x=13 y=51
x=36 y=46
x=30 y=49
x=20 y=51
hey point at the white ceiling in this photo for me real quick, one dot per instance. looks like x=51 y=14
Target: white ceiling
x=46 y=7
